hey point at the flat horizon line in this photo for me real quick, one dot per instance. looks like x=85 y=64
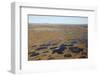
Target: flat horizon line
x=56 y=24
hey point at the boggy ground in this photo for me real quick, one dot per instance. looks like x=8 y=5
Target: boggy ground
x=57 y=41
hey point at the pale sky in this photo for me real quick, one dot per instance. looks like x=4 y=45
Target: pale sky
x=57 y=19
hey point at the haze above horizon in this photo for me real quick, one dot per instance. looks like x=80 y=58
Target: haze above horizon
x=57 y=19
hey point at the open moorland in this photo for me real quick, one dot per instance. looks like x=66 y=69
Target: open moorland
x=57 y=41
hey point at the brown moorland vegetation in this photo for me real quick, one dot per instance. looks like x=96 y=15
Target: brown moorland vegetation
x=57 y=41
